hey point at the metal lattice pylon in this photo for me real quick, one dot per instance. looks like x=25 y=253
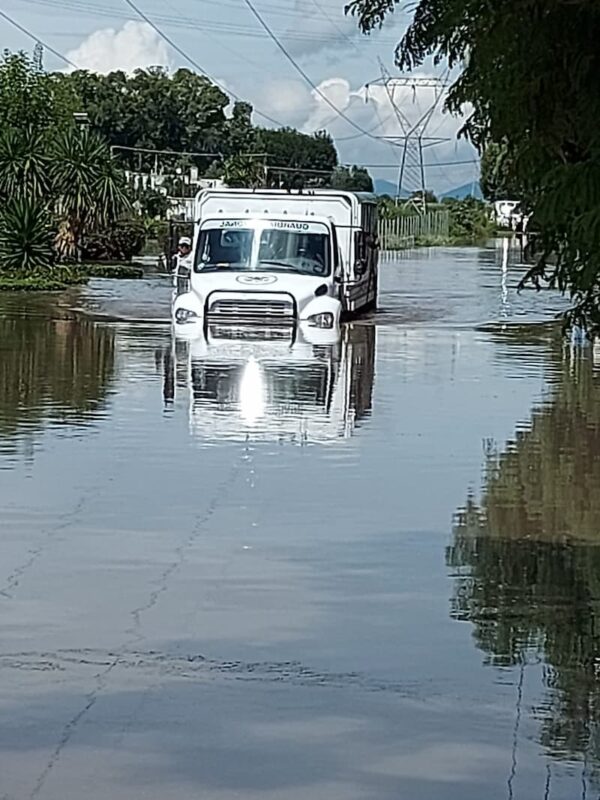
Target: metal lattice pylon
x=412 y=139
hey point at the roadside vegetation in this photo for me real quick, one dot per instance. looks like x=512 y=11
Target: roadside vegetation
x=469 y=219
x=74 y=150
x=77 y=149
x=59 y=186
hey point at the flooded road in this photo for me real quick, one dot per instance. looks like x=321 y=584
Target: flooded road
x=365 y=569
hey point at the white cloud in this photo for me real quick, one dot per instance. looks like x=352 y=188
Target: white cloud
x=287 y=100
x=135 y=45
x=296 y=104
x=322 y=114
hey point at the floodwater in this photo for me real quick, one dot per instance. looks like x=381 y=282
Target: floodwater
x=361 y=570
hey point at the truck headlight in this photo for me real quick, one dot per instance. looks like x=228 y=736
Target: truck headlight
x=324 y=320
x=183 y=315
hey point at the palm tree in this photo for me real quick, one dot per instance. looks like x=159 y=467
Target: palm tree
x=25 y=234
x=23 y=164
x=89 y=189
x=243 y=171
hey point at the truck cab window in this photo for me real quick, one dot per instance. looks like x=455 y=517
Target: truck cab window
x=305 y=253
x=223 y=249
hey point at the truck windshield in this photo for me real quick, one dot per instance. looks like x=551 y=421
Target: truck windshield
x=265 y=248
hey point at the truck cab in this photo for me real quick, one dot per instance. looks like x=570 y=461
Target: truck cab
x=275 y=257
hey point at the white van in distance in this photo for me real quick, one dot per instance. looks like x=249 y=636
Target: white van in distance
x=272 y=256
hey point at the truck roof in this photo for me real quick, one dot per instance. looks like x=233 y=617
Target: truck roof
x=341 y=207
x=361 y=197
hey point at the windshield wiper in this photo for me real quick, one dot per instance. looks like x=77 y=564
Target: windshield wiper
x=280 y=264
x=224 y=265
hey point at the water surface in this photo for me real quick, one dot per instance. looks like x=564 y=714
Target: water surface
x=249 y=569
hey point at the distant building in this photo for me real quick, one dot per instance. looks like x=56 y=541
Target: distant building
x=182 y=208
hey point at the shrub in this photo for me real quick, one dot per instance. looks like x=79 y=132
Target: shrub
x=118 y=242
x=115 y=271
x=469 y=220
x=25 y=235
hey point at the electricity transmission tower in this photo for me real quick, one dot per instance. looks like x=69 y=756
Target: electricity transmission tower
x=38 y=57
x=413 y=120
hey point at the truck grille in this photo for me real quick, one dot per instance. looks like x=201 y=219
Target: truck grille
x=255 y=310
x=248 y=332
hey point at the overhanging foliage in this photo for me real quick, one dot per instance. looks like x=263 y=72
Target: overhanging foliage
x=529 y=79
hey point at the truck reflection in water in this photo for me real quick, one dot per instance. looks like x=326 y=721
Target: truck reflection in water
x=276 y=384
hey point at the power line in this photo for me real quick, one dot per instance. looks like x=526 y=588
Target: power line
x=380 y=123
x=189 y=23
x=429 y=165
x=35 y=38
x=222 y=39
x=151 y=151
x=335 y=25
x=194 y=63
x=299 y=69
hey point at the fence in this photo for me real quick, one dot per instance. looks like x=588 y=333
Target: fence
x=401 y=232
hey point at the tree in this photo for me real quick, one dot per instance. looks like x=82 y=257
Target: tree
x=184 y=112
x=51 y=172
x=241 y=133
x=23 y=163
x=497 y=179
x=153 y=110
x=353 y=179
x=88 y=186
x=470 y=220
x=288 y=150
x=153 y=204
x=243 y=172
x=29 y=99
x=544 y=110
x=25 y=237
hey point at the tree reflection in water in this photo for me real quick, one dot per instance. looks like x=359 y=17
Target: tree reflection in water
x=526 y=559
x=52 y=367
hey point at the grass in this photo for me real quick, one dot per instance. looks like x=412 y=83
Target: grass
x=59 y=278
x=42 y=280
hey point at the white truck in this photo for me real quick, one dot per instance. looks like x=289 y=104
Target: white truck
x=273 y=256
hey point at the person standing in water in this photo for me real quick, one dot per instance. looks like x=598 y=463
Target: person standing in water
x=182 y=264
x=184 y=252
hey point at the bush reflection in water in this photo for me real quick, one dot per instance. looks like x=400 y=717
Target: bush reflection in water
x=526 y=557
x=53 y=367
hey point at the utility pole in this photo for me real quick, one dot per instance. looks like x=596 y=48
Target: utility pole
x=413 y=121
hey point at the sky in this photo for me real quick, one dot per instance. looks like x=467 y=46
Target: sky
x=230 y=45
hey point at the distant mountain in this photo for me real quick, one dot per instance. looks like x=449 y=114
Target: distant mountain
x=466 y=190
x=387 y=187
x=459 y=192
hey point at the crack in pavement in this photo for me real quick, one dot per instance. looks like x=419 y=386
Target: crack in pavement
x=180 y=556
x=12 y=581
x=135 y=634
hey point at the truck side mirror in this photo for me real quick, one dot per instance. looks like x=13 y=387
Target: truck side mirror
x=360 y=254
x=359 y=245
x=338 y=271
